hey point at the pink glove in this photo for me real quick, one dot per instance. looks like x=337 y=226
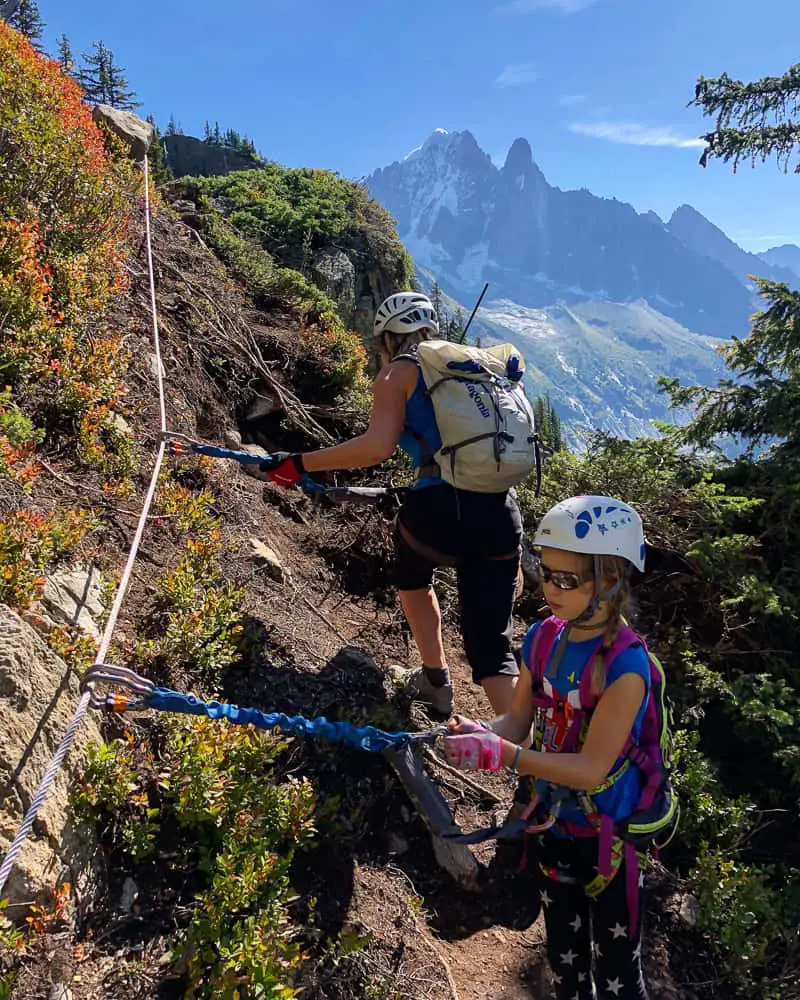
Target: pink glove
x=477 y=750
x=461 y=725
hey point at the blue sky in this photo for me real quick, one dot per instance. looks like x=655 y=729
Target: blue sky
x=598 y=87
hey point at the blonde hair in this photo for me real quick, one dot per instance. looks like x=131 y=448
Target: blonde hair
x=404 y=343
x=612 y=570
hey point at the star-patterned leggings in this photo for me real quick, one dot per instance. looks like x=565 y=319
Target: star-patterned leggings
x=579 y=927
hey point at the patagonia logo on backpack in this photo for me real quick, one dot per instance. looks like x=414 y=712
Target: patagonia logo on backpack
x=484 y=418
x=656 y=813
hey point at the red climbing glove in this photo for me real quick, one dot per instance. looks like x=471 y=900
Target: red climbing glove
x=283 y=469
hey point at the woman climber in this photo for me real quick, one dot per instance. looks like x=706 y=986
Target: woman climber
x=594 y=696
x=479 y=533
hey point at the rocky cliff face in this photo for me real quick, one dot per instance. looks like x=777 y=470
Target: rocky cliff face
x=704 y=238
x=469 y=221
x=602 y=299
x=187 y=156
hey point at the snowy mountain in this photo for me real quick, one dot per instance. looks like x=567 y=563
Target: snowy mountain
x=601 y=299
x=786 y=256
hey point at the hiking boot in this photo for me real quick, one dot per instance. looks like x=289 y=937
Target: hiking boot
x=416 y=684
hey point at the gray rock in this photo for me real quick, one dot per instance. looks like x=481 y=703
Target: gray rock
x=130 y=892
x=136 y=133
x=334 y=272
x=74 y=596
x=252 y=470
x=232 y=439
x=121 y=425
x=38 y=696
x=262 y=406
x=269 y=558
x=689 y=910
x=152 y=364
x=187 y=155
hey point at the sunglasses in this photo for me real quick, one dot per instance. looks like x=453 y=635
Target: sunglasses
x=562 y=579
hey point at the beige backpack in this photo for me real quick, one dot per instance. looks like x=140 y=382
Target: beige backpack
x=484 y=419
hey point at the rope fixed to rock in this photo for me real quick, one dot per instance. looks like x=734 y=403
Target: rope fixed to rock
x=146 y=695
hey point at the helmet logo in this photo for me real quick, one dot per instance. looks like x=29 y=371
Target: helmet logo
x=608 y=519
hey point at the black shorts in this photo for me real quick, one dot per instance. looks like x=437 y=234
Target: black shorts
x=480 y=534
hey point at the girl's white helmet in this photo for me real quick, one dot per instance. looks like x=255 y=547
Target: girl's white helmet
x=594 y=526
x=405 y=312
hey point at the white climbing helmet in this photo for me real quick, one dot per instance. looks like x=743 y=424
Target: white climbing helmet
x=405 y=312
x=594 y=526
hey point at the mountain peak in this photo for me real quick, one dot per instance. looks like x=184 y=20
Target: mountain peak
x=441 y=139
x=687 y=213
x=520 y=157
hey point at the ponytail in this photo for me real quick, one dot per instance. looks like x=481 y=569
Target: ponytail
x=617 y=572
x=404 y=343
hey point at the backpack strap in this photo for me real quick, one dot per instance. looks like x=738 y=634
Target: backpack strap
x=541 y=650
x=428 y=461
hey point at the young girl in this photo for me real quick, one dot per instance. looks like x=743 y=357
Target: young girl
x=591 y=774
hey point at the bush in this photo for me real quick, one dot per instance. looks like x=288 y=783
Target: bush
x=18 y=440
x=198 y=615
x=752 y=923
x=111 y=794
x=240 y=937
x=29 y=544
x=63 y=240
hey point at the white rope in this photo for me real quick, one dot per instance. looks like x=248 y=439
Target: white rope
x=105 y=641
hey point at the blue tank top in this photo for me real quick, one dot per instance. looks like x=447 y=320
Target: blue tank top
x=420 y=438
x=620 y=800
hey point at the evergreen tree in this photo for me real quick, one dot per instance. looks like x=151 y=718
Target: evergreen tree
x=761 y=404
x=456 y=327
x=548 y=423
x=208 y=136
x=103 y=81
x=27 y=20
x=93 y=74
x=173 y=128
x=65 y=58
x=118 y=94
x=159 y=168
x=754 y=121
x=436 y=302
x=217 y=134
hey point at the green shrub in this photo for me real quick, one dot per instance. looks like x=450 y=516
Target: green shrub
x=241 y=940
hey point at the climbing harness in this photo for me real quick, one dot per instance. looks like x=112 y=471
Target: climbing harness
x=146 y=695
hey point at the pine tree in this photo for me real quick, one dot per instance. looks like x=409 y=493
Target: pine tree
x=217 y=135
x=118 y=94
x=548 y=423
x=93 y=73
x=754 y=121
x=65 y=58
x=173 y=128
x=208 y=136
x=103 y=81
x=27 y=20
x=760 y=404
x=456 y=328
x=436 y=302
x=159 y=168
